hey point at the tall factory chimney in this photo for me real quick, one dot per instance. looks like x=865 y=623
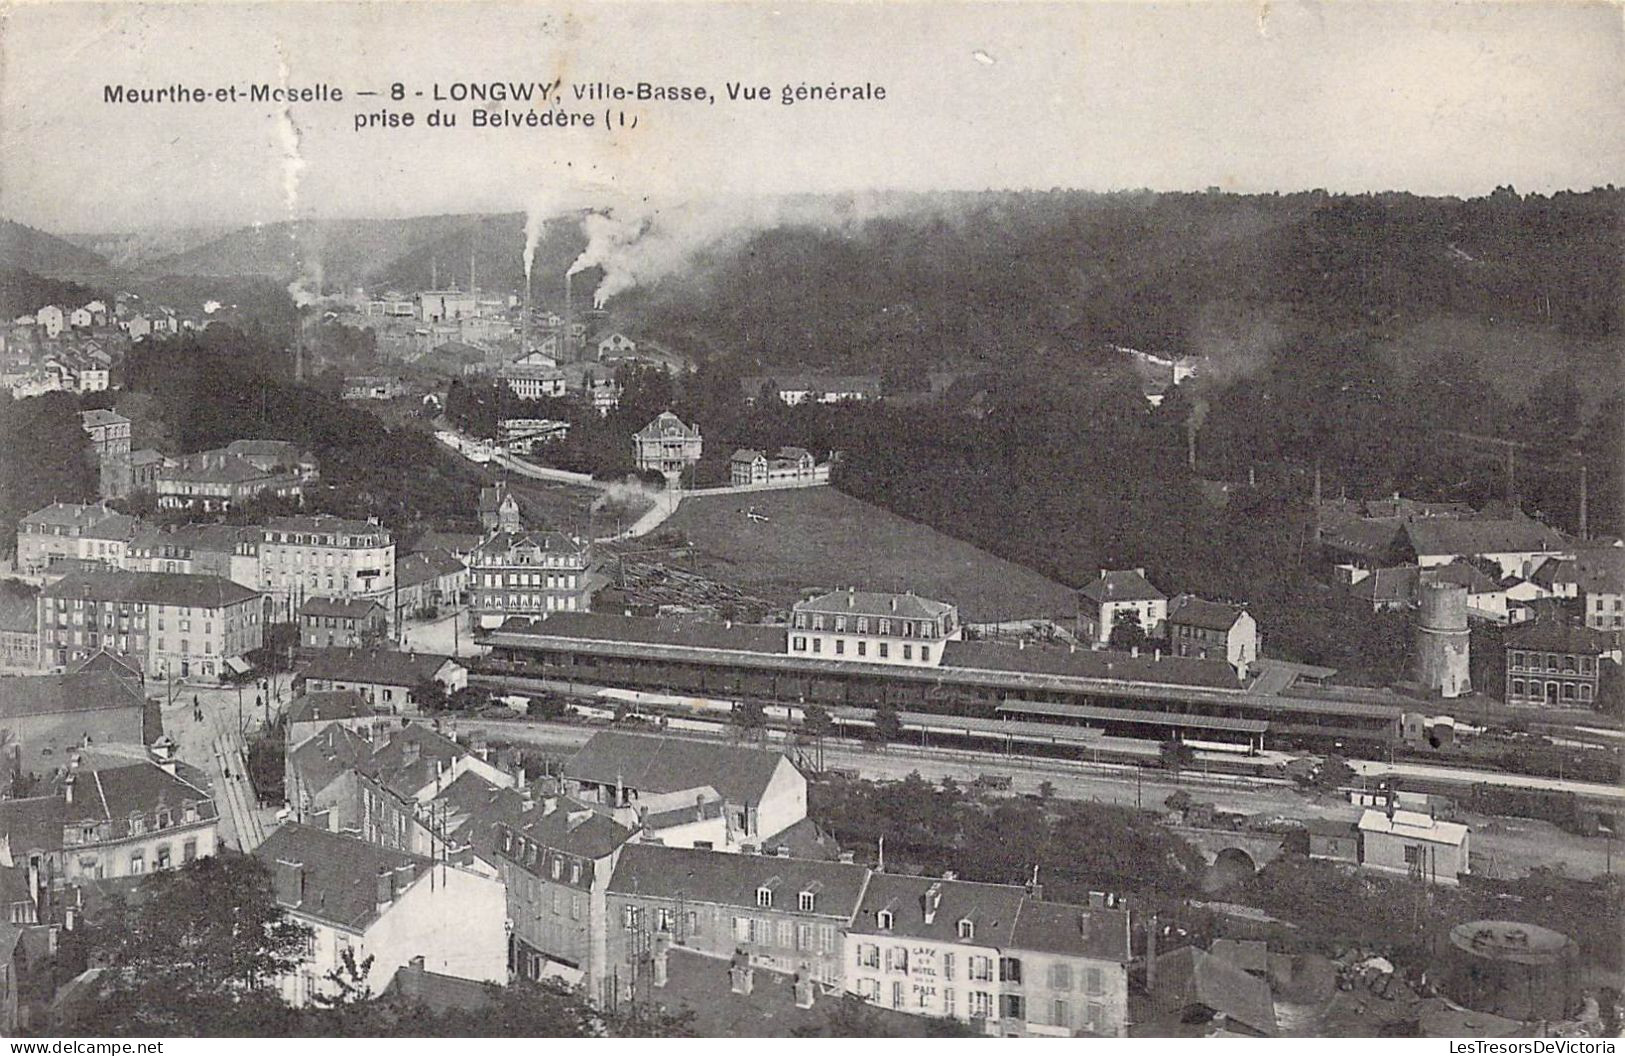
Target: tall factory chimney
x=565 y=345
x=524 y=319
x=1583 y=533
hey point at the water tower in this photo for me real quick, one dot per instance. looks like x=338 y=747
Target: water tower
x=1442 y=640
x=1512 y=969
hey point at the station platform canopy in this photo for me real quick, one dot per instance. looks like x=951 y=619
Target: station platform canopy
x=1132 y=716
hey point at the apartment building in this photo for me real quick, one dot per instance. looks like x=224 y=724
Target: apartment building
x=528 y=573
x=324 y=556
x=873 y=628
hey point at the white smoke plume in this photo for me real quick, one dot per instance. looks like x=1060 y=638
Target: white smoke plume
x=306 y=288
x=639 y=244
x=630 y=492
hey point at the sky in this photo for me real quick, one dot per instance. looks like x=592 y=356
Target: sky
x=1428 y=97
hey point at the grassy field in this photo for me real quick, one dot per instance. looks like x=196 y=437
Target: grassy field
x=820 y=538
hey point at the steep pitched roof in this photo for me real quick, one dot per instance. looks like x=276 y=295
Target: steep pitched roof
x=667 y=425
x=152 y=588
x=1189 y=976
x=423 y=566
x=734 y=879
x=992 y=909
x=1487 y=535
x=673 y=764
x=1190 y=610
x=572 y=827
x=322 y=759
x=1560 y=636
x=340 y=872
x=1121 y=585
x=1077 y=931
x=1600 y=570
x=387 y=667
x=32 y=824
x=61 y=694
x=333 y=704
x=341 y=608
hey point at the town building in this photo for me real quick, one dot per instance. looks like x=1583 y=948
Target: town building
x=51 y=319
x=311 y=712
x=604 y=394
x=387 y=678
x=45 y=718
x=19 y=630
x=812 y=388
x=174 y=624
x=1191 y=986
x=875 y=628
x=1211 y=630
x=690 y=793
x=1600 y=585
x=616 y=345
x=1516 y=544
x=145 y=465
x=528 y=573
x=521 y=435
x=557 y=859
x=950 y=949
x=1555 y=662
x=230 y=551
x=373 y=387
x=301 y=557
x=325 y=623
x=791 y=465
x=276 y=456
x=109 y=434
x=1333 y=841
x=785 y=914
x=439 y=306
x=426 y=582
x=666 y=445
x=56 y=533
x=532 y=382
x=499 y=510
x=1114 y=595
x=117 y=820
x=215 y=481
x=373 y=910
x=1416 y=845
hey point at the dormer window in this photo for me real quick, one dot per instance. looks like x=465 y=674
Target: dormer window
x=138 y=823
x=807 y=901
x=764 y=896
x=967 y=929
x=883 y=920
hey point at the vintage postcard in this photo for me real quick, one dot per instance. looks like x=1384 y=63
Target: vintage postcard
x=647 y=520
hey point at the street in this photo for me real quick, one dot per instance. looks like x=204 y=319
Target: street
x=217 y=745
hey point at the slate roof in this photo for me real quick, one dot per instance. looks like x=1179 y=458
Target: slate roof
x=341 y=608
x=1250 y=955
x=19 y=612
x=542 y=539
x=1560 y=636
x=152 y=588
x=1462 y=574
x=1409 y=824
x=324 y=524
x=192 y=538
x=92 y=419
x=388 y=765
x=1124 y=585
x=451 y=542
x=32 y=824
x=720 y=878
x=225 y=469
x=1091 y=663
x=665 y=426
x=1190 y=976
x=696 y=634
x=1392 y=586
x=992 y=909
x=341 y=872
x=1075 y=931
x=907 y=606
x=328 y=704
x=322 y=759
x=118 y=526
x=1600 y=570
x=423 y=566
x=439 y=993
x=572 y=827
x=60 y=694
x=1487 y=535
x=387 y=667
x=1189 y=610
x=653 y=764
x=68 y=514
x=1554 y=572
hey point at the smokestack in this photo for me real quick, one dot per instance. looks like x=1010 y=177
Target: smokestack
x=564 y=338
x=1583 y=533
x=1151 y=954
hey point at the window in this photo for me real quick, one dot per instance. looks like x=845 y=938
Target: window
x=189 y=851
x=868 y=955
x=806 y=900
x=863 y=648
x=897 y=994
x=897 y=959
x=869 y=989
x=908 y=651
x=163 y=857
x=840 y=646
x=980 y=969
x=1093 y=1017
x=863 y=625
x=818 y=645
x=764 y=896
x=1011 y=1006
x=1060 y=977
x=663 y=920
x=138 y=863
x=967 y=929
x=1058 y=1014
x=948 y=966
x=948 y=1001
x=800 y=644
x=1010 y=969
x=925 y=654
x=1517 y=687
x=883 y=920
x=575 y=872
x=981 y=1004
x=804 y=936
x=885 y=650
x=1094 y=981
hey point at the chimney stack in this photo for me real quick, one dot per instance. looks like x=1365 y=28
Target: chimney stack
x=290 y=882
